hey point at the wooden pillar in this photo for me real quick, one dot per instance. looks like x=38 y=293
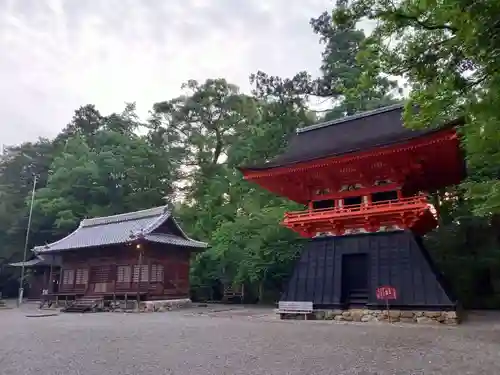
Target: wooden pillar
x=149 y=273
x=87 y=285
x=51 y=272
x=115 y=278
x=45 y=278
x=61 y=276
x=400 y=194
x=368 y=200
x=139 y=274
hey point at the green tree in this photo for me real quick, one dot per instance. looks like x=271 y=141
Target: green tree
x=343 y=78
x=214 y=129
x=446 y=50
x=201 y=126
x=256 y=251
x=107 y=170
x=18 y=166
x=344 y=82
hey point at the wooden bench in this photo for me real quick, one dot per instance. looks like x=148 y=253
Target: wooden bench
x=232 y=292
x=295 y=307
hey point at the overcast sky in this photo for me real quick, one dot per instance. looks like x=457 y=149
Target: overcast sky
x=56 y=55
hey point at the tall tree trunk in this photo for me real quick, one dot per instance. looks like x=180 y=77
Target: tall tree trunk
x=261 y=291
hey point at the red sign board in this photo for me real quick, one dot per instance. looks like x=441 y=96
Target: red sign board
x=386 y=292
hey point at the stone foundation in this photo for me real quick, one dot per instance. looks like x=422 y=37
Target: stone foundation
x=396 y=316
x=164 y=305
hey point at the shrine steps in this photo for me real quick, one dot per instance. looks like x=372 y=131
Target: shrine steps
x=85 y=304
x=357 y=297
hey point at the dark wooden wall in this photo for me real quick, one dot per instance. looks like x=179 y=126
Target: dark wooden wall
x=394 y=258
x=38 y=280
x=114 y=270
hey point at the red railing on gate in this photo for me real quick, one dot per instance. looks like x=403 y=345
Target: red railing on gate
x=405 y=212
x=360 y=209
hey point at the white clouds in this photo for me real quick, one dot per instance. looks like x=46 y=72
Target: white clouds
x=59 y=54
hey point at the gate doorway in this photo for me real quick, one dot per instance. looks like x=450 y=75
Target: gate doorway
x=355 y=285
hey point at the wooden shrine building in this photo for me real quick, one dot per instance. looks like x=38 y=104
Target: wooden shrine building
x=40 y=271
x=364 y=181
x=143 y=253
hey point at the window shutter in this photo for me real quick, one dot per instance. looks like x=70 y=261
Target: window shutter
x=69 y=277
x=157 y=273
x=82 y=276
x=124 y=274
x=144 y=273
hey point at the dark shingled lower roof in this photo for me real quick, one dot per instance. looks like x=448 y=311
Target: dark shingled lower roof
x=118 y=229
x=364 y=131
x=39 y=261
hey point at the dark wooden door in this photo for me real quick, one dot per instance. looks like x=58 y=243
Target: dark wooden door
x=56 y=275
x=355 y=279
x=100 y=279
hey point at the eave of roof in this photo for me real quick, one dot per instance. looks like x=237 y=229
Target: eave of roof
x=174 y=240
x=38 y=261
x=119 y=229
x=28 y=263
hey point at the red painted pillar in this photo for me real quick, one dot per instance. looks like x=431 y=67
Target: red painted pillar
x=400 y=194
x=368 y=200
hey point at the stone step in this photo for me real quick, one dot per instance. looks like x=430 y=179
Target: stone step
x=357 y=301
x=84 y=304
x=77 y=309
x=358 y=292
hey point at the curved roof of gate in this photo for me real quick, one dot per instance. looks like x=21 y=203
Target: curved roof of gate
x=364 y=131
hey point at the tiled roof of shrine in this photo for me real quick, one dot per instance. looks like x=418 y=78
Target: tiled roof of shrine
x=123 y=228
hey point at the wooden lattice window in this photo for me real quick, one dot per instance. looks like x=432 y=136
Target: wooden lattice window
x=156 y=273
x=101 y=274
x=144 y=273
x=124 y=274
x=68 y=277
x=82 y=276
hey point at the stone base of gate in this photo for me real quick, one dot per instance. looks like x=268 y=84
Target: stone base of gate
x=395 y=316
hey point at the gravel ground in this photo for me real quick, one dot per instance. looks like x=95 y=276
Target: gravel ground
x=240 y=341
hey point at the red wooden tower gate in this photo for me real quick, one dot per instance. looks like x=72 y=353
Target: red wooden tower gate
x=364 y=183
